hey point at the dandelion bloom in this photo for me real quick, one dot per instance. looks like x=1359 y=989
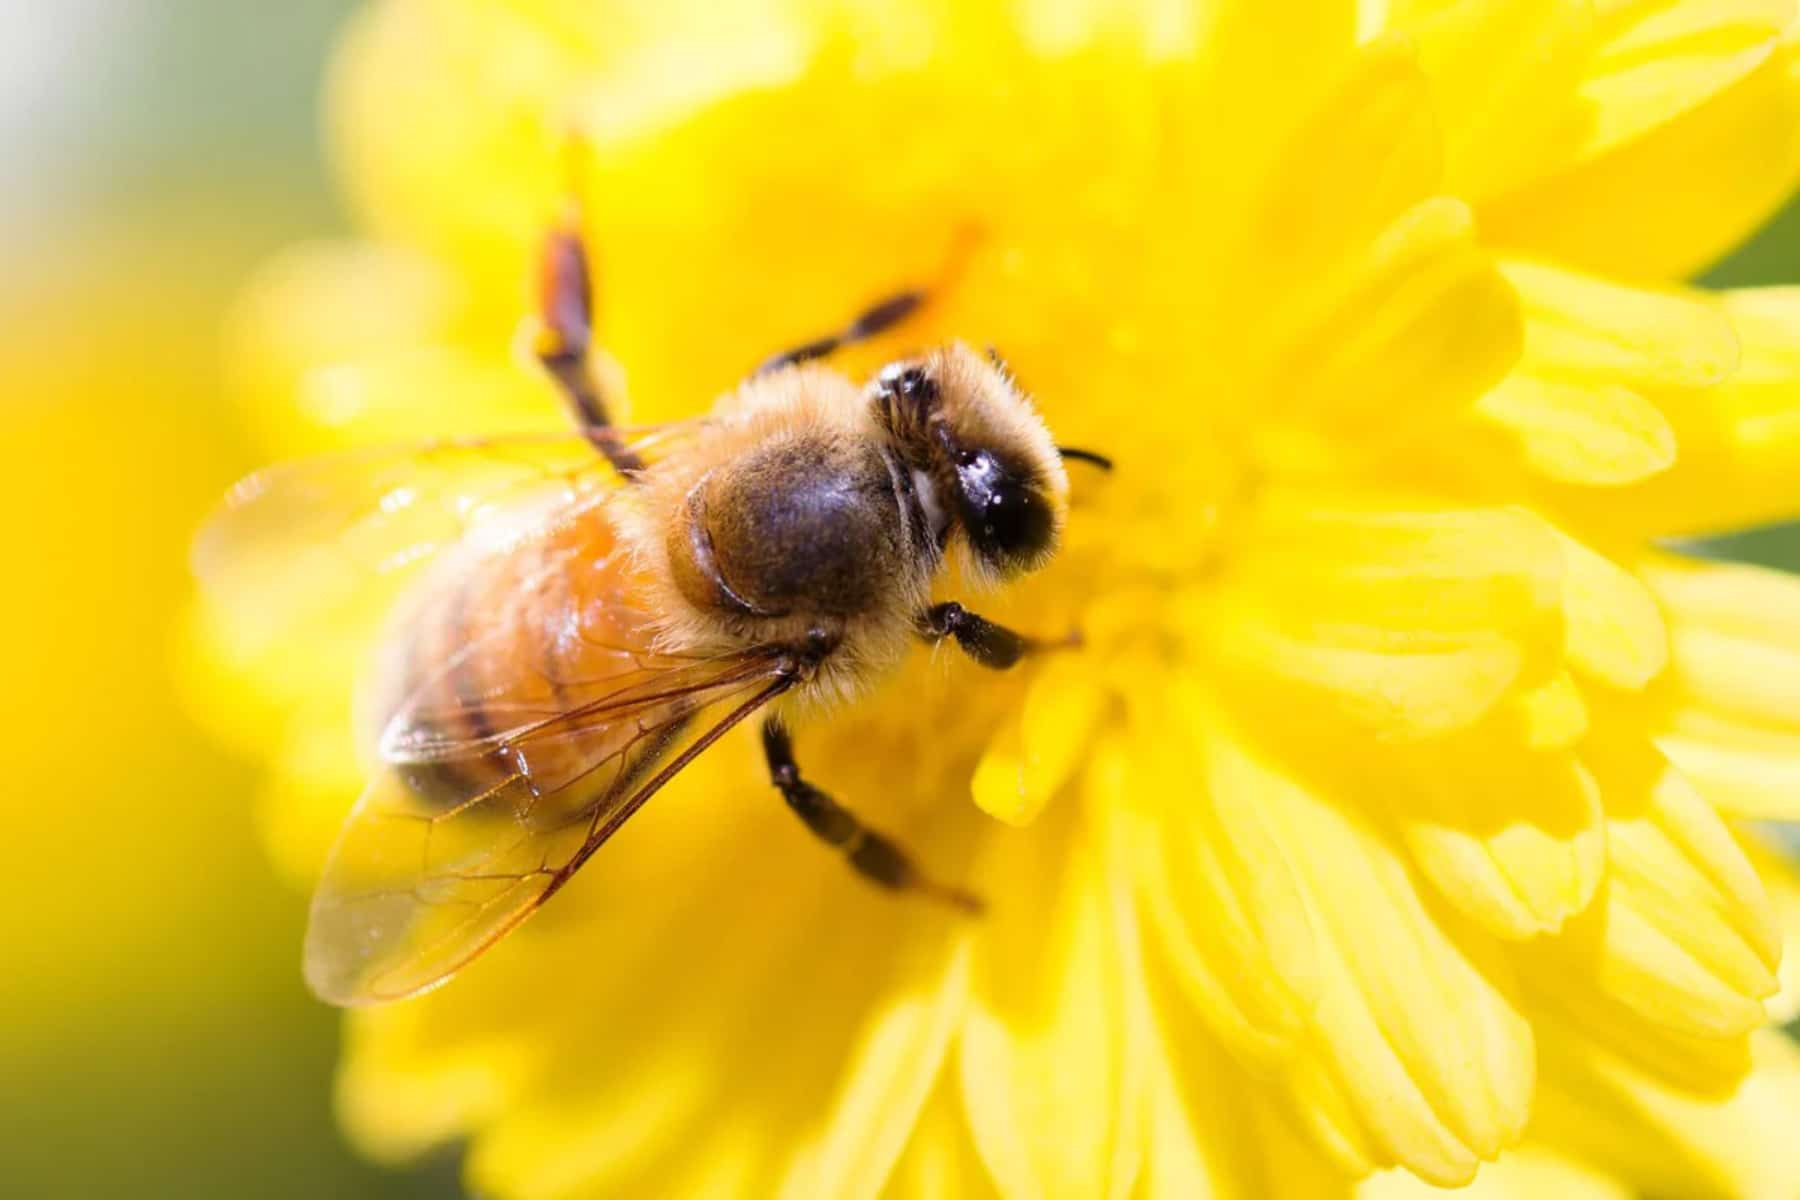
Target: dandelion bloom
x=1389 y=829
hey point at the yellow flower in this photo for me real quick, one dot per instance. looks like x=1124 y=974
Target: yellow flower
x=1389 y=822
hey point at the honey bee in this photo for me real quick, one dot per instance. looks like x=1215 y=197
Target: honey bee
x=587 y=614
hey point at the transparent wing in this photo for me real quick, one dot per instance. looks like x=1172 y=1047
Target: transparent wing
x=458 y=840
x=308 y=549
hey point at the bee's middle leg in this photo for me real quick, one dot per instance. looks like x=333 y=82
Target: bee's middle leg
x=886 y=313
x=989 y=644
x=566 y=335
x=872 y=855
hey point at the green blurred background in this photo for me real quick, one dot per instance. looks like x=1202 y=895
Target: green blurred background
x=154 y=1036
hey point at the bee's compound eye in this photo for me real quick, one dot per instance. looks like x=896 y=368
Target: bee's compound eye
x=1009 y=520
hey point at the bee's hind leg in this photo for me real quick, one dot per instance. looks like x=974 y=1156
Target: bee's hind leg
x=872 y=855
x=564 y=343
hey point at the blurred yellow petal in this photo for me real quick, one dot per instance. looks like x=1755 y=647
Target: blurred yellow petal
x=1659 y=61
x=1662 y=1141
x=1514 y=841
x=1411 y=624
x=1249 y=46
x=1615 y=631
x=1416 y=1052
x=1780 y=875
x=1739 y=438
x=1580 y=328
x=1368 y=153
x=1597 y=435
x=1217 y=889
x=887 y=1081
x=1502 y=73
x=1684 y=935
x=1746 y=771
x=1557 y=996
x=1735 y=634
x=1019 y=773
x=342 y=341
x=940 y=1160
x=1052 y=1049
x=1551 y=717
x=1330 y=370
x=1732 y=699
x=1197 y=1128
x=1528 y=1172
x=1622 y=213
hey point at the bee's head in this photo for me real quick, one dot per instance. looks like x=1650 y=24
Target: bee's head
x=991 y=461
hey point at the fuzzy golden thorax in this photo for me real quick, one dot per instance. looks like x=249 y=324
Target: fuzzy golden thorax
x=809 y=512
x=789 y=521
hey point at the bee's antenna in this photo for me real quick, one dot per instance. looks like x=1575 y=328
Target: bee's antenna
x=1086 y=456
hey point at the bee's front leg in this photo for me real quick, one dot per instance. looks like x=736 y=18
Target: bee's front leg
x=873 y=855
x=989 y=644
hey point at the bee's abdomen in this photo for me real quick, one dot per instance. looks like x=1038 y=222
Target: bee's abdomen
x=505 y=653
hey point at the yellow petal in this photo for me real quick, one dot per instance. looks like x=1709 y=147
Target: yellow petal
x=1551 y=717
x=940 y=1160
x=1503 y=75
x=1557 y=993
x=581 y=1097
x=1422 y=314
x=1663 y=1140
x=1736 y=641
x=1664 y=204
x=1285 y=56
x=1732 y=699
x=1751 y=429
x=1776 y=868
x=1739 y=439
x=1684 y=936
x=1582 y=329
x=1049 y=1077
x=1529 y=1172
x=1408 y=623
x=1417 y=1055
x=1201 y=1143
x=1027 y=763
x=1660 y=61
x=1746 y=771
x=1294 y=1167
x=1615 y=630
x=1224 y=906
x=1597 y=435
x=1367 y=154
x=887 y=1078
x=1514 y=841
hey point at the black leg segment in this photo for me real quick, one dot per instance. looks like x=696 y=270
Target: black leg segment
x=873 y=856
x=989 y=644
x=876 y=319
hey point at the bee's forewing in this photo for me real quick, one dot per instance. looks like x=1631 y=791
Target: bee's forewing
x=308 y=550
x=453 y=845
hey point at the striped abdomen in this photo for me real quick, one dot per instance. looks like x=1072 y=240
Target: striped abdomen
x=512 y=661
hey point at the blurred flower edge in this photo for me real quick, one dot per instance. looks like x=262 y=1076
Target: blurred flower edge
x=1393 y=820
